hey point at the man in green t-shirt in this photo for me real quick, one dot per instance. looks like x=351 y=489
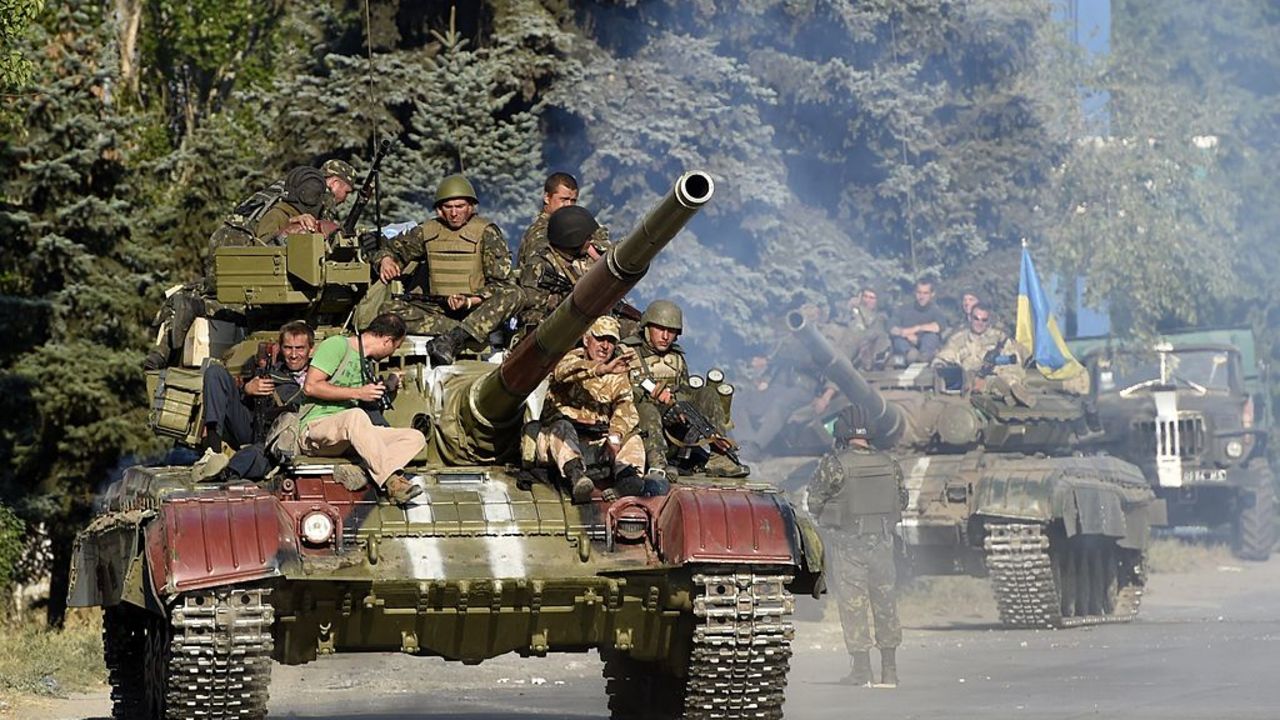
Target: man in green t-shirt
x=333 y=423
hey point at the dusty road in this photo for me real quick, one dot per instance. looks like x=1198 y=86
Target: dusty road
x=1204 y=647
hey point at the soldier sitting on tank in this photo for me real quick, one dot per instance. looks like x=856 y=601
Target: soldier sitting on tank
x=589 y=418
x=469 y=290
x=869 y=330
x=560 y=190
x=858 y=495
x=303 y=202
x=241 y=416
x=989 y=358
x=916 y=332
x=659 y=375
x=547 y=276
x=332 y=423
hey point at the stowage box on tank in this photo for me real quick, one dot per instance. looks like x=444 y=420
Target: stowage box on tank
x=687 y=596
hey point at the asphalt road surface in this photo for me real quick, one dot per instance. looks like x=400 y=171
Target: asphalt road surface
x=1205 y=646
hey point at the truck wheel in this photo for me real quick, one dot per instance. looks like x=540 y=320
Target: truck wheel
x=1256 y=525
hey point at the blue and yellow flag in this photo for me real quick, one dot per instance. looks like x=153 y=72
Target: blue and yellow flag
x=1037 y=330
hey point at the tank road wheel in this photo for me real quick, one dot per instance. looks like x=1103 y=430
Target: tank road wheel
x=124 y=644
x=1105 y=578
x=641 y=690
x=210 y=658
x=1256 y=525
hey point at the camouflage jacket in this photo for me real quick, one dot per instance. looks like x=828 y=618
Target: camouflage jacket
x=968 y=349
x=668 y=368
x=833 y=489
x=548 y=262
x=411 y=246
x=535 y=239
x=577 y=393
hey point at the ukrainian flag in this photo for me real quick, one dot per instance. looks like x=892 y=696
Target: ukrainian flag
x=1037 y=329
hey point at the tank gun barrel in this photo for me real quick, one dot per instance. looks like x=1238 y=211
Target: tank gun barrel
x=497 y=397
x=884 y=420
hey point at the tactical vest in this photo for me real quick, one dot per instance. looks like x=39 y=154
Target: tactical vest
x=668 y=368
x=455 y=258
x=869 y=501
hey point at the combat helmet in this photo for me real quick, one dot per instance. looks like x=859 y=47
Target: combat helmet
x=455 y=186
x=570 y=227
x=664 y=313
x=339 y=169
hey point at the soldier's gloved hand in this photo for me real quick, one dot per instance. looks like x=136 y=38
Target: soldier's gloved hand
x=388 y=269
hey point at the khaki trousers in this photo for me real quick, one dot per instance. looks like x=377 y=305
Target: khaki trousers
x=384 y=450
x=559 y=443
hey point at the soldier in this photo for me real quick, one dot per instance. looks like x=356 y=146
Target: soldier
x=332 y=422
x=590 y=417
x=990 y=357
x=548 y=275
x=660 y=364
x=306 y=206
x=469 y=289
x=858 y=495
x=560 y=190
x=968 y=299
x=916 y=333
x=870 y=330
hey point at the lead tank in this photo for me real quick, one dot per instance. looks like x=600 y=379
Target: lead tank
x=687 y=597
x=998 y=488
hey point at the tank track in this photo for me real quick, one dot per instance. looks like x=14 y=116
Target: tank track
x=741 y=646
x=1026 y=589
x=219 y=659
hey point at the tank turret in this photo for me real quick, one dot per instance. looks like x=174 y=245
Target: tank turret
x=908 y=410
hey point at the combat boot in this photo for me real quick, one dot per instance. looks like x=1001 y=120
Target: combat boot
x=888 y=668
x=575 y=473
x=443 y=349
x=860 y=670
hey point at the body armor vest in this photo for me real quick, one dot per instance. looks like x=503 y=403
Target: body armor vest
x=668 y=367
x=455 y=261
x=869 y=501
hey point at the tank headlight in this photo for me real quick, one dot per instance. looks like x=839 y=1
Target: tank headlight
x=317 y=528
x=1234 y=449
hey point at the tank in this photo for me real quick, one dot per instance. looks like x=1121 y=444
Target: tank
x=687 y=597
x=1003 y=490
x=1184 y=412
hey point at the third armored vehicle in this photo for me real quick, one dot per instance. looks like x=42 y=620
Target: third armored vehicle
x=1191 y=412
x=686 y=596
x=999 y=488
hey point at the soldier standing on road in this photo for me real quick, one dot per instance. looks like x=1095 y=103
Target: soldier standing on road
x=858 y=496
x=590 y=417
x=560 y=190
x=469 y=290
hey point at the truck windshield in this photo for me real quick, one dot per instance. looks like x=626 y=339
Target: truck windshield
x=1210 y=369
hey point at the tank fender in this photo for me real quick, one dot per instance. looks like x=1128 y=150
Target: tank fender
x=212 y=539
x=814 y=552
x=1085 y=506
x=105 y=560
x=727 y=525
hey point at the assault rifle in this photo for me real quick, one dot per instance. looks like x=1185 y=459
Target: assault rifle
x=557 y=284
x=366 y=192
x=441 y=300
x=263 y=364
x=698 y=429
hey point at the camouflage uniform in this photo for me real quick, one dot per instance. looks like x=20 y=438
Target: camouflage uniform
x=969 y=350
x=870 y=344
x=534 y=240
x=472 y=260
x=858 y=496
x=582 y=409
x=668 y=368
x=539 y=301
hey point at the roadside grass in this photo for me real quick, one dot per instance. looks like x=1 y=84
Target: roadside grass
x=35 y=660
x=1173 y=555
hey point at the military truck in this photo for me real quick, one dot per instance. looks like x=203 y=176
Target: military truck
x=687 y=597
x=1191 y=411
x=1001 y=489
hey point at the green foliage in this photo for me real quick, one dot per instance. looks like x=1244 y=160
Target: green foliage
x=11 y=544
x=35 y=660
x=16 y=17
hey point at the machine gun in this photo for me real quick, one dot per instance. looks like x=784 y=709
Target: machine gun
x=364 y=194
x=557 y=284
x=264 y=362
x=413 y=297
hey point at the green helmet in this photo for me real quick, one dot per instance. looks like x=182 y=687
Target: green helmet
x=455 y=186
x=664 y=313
